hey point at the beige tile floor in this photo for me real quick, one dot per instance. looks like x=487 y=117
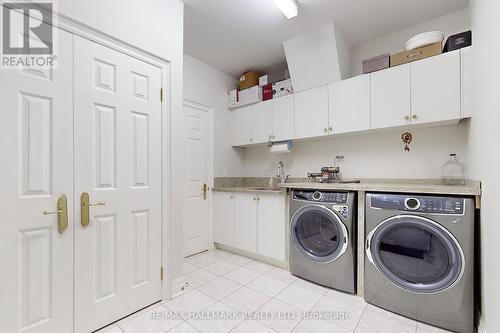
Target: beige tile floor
x=221 y=282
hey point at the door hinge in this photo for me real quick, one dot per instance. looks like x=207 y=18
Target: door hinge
x=161 y=94
x=161 y=273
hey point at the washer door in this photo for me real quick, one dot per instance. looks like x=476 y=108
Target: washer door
x=318 y=233
x=416 y=254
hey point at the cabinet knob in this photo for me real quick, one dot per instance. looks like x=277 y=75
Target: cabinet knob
x=330 y=128
x=326 y=130
x=407 y=117
x=414 y=116
x=254 y=199
x=250 y=139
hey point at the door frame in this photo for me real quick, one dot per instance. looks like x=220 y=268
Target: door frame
x=210 y=111
x=80 y=29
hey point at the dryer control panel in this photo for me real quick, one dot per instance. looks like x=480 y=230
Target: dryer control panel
x=421 y=204
x=321 y=196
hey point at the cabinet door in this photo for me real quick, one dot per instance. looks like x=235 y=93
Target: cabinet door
x=349 y=104
x=435 y=88
x=390 y=97
x=245 y=222
x=283 y=118
x=271 y=226
x=467 y=81
x=243 y=125
x=311 y=113
x=224 y=218
x=262 y=121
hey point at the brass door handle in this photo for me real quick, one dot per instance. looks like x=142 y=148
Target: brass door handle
x=204 y=190
x=85 y=208
x=62 y=213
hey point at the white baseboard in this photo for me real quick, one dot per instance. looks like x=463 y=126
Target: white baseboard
x=179 y=286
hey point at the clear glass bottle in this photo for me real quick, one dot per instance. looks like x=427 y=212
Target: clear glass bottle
x=452 y=171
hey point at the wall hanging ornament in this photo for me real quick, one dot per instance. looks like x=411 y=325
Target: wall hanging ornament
x=407 y=137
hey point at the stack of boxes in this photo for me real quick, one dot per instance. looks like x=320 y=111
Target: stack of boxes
x=255 y=88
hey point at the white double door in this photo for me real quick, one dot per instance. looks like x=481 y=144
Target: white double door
x=91 y=125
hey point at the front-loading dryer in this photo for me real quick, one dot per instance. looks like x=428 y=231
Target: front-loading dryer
x=420 y=258
x=323 y=238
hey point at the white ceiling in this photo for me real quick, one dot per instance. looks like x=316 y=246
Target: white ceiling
x=237 y=35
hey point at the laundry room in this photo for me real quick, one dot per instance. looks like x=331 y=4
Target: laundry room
x=249 y=166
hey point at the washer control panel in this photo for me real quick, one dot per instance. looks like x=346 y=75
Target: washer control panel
x=320 y=196
x=422 y=204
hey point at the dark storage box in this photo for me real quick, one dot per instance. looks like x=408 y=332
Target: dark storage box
x=376 y=63
x=458 y=41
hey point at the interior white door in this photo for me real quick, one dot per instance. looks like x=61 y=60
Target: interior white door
x=118 y=163
x=196 y=195
x=36 y=135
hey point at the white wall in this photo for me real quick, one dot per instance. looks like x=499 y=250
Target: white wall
x=208 y=86
x=369 y=155
x=395 y=42
x=484 y=152
x=155 y=26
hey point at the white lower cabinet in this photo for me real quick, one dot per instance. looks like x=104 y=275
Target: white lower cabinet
x=251 y=222
x=224 y=218
x=245 y=221
x=271 y=224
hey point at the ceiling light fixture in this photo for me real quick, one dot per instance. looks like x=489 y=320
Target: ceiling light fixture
x=290 y=8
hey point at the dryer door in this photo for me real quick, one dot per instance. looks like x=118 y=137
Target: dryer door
x=318 y=233
x=416 y=254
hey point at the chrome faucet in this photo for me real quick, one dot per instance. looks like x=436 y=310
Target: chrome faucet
x=281 y=173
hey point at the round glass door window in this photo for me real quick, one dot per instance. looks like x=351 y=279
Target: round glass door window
x=318 y=233
x=416 y=254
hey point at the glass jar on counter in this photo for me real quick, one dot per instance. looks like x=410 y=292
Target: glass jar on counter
x=452 y=172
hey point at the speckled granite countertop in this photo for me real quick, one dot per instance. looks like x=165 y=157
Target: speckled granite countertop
x=471 y=188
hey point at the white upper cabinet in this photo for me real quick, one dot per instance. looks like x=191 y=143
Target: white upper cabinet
x=390 y=97
x=243 y=125
x=271 y=226
x=349 y=106
x=283 y=118
x=311 y=113
x=435 y=89
x=262 y=121
x=467 y=81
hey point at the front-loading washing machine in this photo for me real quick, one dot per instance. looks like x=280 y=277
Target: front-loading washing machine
x=323 y=238
x=420 y=258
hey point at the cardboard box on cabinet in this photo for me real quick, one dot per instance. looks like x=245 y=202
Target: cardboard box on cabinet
x=249 y=80
x=416 y=54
